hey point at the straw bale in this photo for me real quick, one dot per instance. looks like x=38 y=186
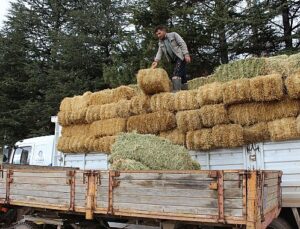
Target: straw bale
x=112 y=95
x=66 y=104
x=199 y=139
x=251 y=113
x=212 y=115
x=103 y=144
x=293 y=63
x=76 y=103
x=74 y=144
x=186 y=100
x=66 y=118
x=292 y=84
x=188 y=120
x=210 y=94
x=283 y=129
x=200 y=81
x=123 y=108
x=140 y=104
x=227 y=136
x=256 y=133
x=151 y=123
x=63 y=144
x=127 y=165
x=151 y=151
x=267 y=88
x=93 y=113
x=298 y=124
x=153 y=81
x=162 y=102
x=277 y=64
x=76 y=130
x=175 y=136
x=237 y=91
x=108 y=127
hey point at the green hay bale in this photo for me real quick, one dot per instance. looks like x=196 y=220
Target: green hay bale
x=200 y=81
x=66 y=118
x=256 y=133
x=140 y=104
x=267 y=88
x=112 y=95
x=175 y=136
x=199 y=139
x=236 y=91
x=153 y=81
x=152 y=151
x=251 y=113
x=151 y=123
x=227 y=136
x=210 y=94
x=108 y=127
x=186 y=100
x=277 y=64
x=188 y=120
x=162 y=102
x=293 y=63
x=128 y=165
x=283 y=129
x=212 y=115
x=292 y=84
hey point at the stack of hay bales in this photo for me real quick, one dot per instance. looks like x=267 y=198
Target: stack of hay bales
x=216 y=115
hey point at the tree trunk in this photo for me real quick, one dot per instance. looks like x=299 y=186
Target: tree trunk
x=286 y=25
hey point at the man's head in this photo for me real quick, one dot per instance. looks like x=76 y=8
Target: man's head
x=160 y=31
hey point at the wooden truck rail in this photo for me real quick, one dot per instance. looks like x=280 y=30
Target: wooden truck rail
x=235 y=197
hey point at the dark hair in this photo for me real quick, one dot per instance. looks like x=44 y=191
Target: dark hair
x=160 y=27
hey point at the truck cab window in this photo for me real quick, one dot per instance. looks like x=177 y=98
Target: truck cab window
x=22 y=155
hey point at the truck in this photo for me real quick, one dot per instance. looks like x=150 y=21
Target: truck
x=238 y=187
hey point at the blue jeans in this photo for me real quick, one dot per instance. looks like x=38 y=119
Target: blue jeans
x=180 y=69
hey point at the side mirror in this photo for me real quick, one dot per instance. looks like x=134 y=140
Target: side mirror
x=6 y=154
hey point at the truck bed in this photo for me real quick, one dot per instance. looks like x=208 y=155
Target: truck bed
x=236 y=197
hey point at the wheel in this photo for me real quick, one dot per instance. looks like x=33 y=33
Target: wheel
x=26 y=225
x=279 y=223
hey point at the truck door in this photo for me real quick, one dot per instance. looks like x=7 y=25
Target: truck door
x=42 y=154
x=21 y=155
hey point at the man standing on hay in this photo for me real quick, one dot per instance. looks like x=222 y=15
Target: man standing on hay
x=175 y=49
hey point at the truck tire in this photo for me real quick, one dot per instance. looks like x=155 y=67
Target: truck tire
x=279 y=223
x=26 y=225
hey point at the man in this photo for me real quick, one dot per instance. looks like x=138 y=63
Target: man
x=175 y=49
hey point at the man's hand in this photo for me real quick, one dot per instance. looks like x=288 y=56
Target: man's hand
x=187 y=59
x=154 y=64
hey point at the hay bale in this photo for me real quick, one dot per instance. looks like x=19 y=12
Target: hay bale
x=108 y=127
x=298 y=124
x=66 y=118
x=283 y=129
x=277 y=64
x=199 y=139
x=102 y=145
x=200 y=81
x=112 y=95
x=236 y=91
x=74 y=144
x=188 y=120
x=210 y=94
x=227 y=136
x=186 y=100
x=140 y=104
x=151 y=151
x=128 y=165
x=256 y=133
x=153 y=81
x=151 y=123
x=76 y=130
x=251 y=113
x=212 y=115
x=267 y=88
x=63 y=144
x=292 y=84
x=66 y=104
x=175 y=136
x=293 y=63
x=75 y=103
x=123 y=108
x=162 y=102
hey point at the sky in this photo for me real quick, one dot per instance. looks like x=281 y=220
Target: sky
x=4 y=7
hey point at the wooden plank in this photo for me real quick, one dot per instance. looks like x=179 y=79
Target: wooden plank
x=271 y=175
x=48 y=174
x=166 y=209
x=171 y=201
x=270 y=205
x=41 y=187
x=233 y=204
x=230 y=176
x=43 y=200
x=235 y=193
x=37 y=180
x=272 y=182
x=58 y=195
x=166 y=192
x=233 y=212
x=163 y=176
x=180 y=184
x=232 y=184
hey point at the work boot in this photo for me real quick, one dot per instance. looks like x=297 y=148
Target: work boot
x=176 y=83
x=184 y=86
